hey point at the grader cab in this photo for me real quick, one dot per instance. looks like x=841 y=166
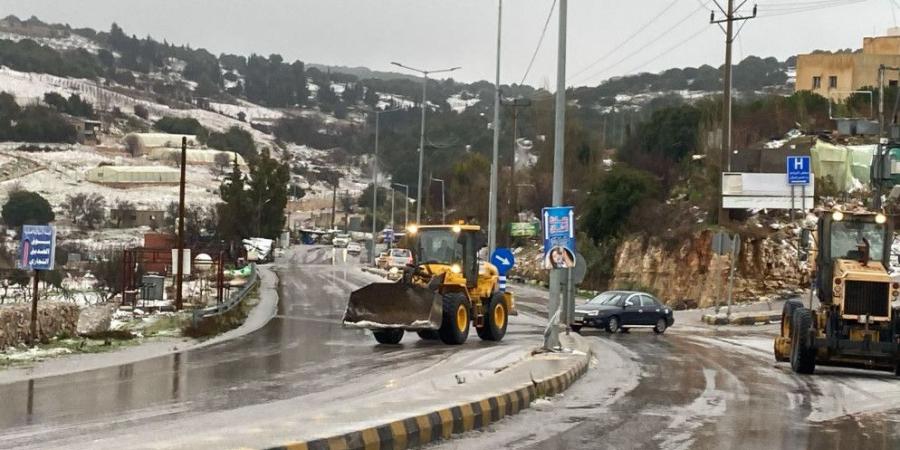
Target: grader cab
x=855 y=323
x=444 y=292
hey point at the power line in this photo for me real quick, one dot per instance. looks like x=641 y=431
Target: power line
x=667 y=50
x=540 y=42
x=626 y=41
x=655 y=39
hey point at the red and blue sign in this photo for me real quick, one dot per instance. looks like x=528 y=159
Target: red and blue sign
x=37 y=247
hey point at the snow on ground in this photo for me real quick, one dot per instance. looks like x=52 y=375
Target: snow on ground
x=70 y=42
x=387 y=101
x=253 y=112
x=30 y=87
x=459 y=105
x=64 y=176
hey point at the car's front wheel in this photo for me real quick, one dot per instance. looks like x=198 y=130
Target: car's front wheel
x=613 y=325
x=661 y=326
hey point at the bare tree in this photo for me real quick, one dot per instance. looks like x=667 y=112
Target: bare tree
x=124 y=210
x=86 y=210
x=222 y=161
x=133 y=145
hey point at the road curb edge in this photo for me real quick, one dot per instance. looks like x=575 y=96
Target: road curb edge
x=441 y=424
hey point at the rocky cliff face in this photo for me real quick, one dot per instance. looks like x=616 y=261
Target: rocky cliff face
x=689 y=274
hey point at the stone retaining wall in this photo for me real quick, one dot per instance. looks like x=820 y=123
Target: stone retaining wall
x=54 y=319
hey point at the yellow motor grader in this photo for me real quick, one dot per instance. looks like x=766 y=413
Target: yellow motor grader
x=855 y=323
x=444 y=291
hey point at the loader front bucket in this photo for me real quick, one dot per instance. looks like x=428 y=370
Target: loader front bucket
x=394 y=305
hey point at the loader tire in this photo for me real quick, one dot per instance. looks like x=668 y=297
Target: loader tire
x=496 y=319
x=456 y=319
x=390 y=336
x=428 y=335
x=803 y=354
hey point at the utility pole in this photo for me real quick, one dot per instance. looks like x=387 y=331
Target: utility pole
x=492 y=201
x=551 y=337
x=375 y=188
x=730 y=18
x=406 y=204
x=422 y=131
x=443 y=200
x=179 y=271
x=512 y=201
x=333 y=202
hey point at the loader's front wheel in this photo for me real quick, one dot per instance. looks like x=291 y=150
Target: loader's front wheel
x=390 y=336
x=496 y=318
x=455 y=323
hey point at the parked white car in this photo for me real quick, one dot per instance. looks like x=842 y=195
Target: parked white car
x=354 y=248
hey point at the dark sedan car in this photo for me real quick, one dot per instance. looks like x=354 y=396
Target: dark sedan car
x=619 y=310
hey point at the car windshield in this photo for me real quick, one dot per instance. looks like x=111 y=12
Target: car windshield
x=439 y=246
x=846 y=237
x=607 y=298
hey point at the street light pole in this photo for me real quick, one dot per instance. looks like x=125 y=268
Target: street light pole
x=375 y=189
x=375 y=178
x=443 y=203
x=422 y=130
x=492 y=202
x=551 y=338
x=179 y=271
x=406 y=204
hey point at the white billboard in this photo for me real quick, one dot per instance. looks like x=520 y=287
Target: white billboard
x=765 y=190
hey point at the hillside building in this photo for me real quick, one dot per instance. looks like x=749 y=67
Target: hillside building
x=835 y=75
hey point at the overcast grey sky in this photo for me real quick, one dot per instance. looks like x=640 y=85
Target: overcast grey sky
x=442 y=33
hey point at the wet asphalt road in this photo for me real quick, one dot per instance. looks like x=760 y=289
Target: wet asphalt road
x=302 y=350
x=695 y=388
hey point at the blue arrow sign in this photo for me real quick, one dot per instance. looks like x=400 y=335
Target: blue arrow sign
x=798 y=169
x=504 y=260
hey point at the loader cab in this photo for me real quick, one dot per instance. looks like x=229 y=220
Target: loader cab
x=449 y=245
x=862 y=238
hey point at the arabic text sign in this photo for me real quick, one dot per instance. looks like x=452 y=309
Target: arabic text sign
x=37 y=247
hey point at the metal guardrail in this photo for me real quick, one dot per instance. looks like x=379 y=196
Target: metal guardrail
x=233 y=300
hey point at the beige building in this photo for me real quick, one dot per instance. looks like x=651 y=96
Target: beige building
x=833 y=75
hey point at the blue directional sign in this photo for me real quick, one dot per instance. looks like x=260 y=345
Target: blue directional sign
x=504 y=259
x=798 y=169
x=559 y=237
x=37 y=247
x=388 y=235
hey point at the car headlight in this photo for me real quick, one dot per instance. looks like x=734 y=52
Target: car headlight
x=593 y=313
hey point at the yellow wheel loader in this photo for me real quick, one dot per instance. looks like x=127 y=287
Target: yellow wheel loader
x=444 y=292
x=855 y=323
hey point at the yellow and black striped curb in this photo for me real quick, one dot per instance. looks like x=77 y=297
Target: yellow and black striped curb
x=762 y=319
x=423 y=429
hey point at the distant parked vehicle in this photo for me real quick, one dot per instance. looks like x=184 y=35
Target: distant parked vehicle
x=341 y=240
x=399 y=258
x=620 y=310
x=354 y=248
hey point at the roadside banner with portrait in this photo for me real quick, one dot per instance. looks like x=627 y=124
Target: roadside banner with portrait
x=559 y=237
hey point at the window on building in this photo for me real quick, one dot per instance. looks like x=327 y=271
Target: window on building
x=817 y=82
x=892 y=83
x=832 y=82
